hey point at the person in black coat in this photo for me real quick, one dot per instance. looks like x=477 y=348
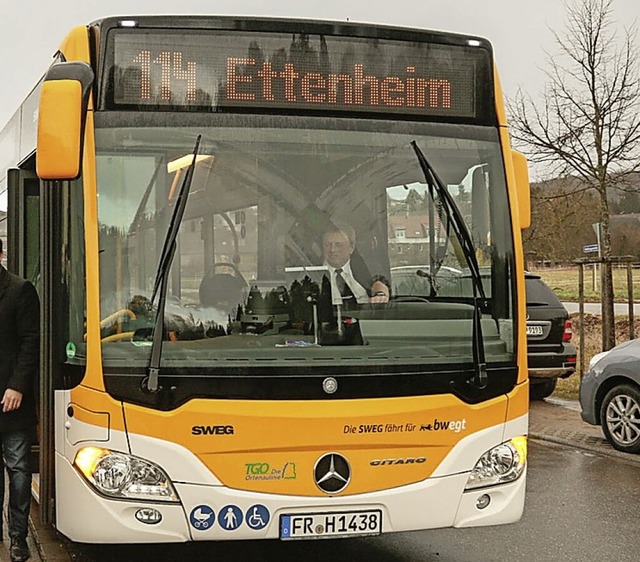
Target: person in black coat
x=19 y=356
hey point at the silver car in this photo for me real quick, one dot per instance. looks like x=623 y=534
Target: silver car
x=610 y=395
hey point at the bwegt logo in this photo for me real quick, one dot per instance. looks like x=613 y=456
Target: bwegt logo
x=437 y=425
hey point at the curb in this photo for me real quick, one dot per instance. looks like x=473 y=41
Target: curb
x=598 y=449
x=566 y=427
x=49 y=544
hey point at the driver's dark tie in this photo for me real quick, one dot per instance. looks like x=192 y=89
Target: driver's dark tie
x=345 y=291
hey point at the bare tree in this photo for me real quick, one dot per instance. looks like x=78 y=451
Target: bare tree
x=588 y=123
x=561 y=219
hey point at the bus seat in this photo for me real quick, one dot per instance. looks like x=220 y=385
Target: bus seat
x=223 y=291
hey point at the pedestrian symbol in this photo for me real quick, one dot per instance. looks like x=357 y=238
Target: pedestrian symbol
x=230 y=517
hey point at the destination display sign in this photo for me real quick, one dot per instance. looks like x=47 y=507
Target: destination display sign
x=223 y=70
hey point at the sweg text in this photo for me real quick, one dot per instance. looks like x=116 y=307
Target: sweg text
x=379 y=428
x=212 y=430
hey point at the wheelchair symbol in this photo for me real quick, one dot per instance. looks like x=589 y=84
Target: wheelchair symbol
x=257 y=517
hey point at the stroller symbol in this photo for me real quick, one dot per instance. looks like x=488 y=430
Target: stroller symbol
x=202 y=517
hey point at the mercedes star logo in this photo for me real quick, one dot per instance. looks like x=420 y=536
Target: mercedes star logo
x=330 y=385
x=332 y=473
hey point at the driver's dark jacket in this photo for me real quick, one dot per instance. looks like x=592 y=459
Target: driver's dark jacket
x=19 y=348
x=360 y=273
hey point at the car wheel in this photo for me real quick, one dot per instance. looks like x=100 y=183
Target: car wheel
x=620 y=418
x=542 y=389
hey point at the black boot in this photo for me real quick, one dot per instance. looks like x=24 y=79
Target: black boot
x=19 y=550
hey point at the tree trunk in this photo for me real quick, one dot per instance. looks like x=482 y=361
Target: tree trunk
x=608 y=319
x=606 y=293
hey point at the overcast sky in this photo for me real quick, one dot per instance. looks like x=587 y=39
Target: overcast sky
x=31 y=30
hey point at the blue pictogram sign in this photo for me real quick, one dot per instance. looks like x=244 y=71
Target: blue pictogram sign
x=230 y=517
x=257 y=517
x=202 y=517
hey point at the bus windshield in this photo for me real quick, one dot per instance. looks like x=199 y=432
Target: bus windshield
x=279 y=210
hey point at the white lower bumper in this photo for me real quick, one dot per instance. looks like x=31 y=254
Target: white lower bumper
x=84 y=516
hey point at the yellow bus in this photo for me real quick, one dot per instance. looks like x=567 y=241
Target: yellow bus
x=179 y=189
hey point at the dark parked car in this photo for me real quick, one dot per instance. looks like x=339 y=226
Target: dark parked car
x=551 y=355
x=610 y=395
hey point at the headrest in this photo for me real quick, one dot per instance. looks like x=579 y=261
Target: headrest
x=221 y=289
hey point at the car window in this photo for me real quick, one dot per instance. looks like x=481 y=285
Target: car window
x=539 y=294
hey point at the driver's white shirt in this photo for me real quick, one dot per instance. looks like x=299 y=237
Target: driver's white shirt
x=358 y=290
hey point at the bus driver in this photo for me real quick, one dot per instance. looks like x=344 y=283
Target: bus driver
x=349 y=278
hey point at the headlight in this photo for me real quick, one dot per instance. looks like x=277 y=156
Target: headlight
x=597 y=358
x=123 y=476
x=502 y=464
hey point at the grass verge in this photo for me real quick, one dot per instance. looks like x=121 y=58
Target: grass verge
x=564 y=283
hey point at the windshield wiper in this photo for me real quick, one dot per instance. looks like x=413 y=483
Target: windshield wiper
x=162 y=275
x=466 y=243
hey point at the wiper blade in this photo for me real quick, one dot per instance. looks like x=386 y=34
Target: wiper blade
x=162 y=275
x=466 y=243
x=168 y=248
x=455 y=216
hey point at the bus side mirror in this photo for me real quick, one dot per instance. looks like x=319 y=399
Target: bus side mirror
x=61 y=118
x=522 y=188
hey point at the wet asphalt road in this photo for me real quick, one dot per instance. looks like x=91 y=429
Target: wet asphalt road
x=580 y=506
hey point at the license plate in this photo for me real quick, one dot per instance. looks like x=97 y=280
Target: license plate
x=534 y=330
x=332 y=524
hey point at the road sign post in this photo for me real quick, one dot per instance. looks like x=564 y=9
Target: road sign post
x=592 y=249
